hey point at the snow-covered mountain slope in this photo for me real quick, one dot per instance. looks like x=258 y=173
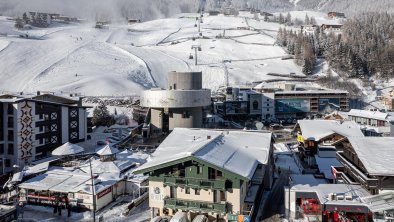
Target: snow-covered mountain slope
x=124 y=59
x=350 y=7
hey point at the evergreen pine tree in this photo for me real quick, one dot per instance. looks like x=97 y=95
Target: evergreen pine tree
x=101 y=116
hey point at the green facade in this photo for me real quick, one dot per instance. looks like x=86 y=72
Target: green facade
x=192 y=172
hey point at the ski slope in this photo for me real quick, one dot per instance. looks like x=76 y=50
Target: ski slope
x=126 y=59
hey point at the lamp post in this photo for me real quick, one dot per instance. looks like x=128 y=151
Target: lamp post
x=93 y=196
x=289 y=185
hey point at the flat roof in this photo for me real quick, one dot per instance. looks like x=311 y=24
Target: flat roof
x=319 y=129
x=325 y=163
x=311 y=92
x=376 y=154
x=323 y=191
x=236 y=151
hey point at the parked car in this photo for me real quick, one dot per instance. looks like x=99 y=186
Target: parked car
x=200 y=218
x=179 y=217
x=275 y=126
x=100 y=143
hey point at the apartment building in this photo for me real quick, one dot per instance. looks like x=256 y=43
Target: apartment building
x=212 y=172
x=33 y=125
x=299 y=104
x=373 y=123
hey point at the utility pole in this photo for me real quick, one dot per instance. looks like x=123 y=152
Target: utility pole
x=93 y=196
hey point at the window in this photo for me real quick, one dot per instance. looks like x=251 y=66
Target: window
x=53 y=116
x=199 y=170
x=11 y=149
x=268 y=110
x=185 y=115
x=10 y=109
x=10 y=135
x=219 y=173
x=255 y=105
x=54 y=139
x=7 y=163
x=41 y=129
x=174 y=86
x=53 y=127
x=196 y=191
x=187 y=191
x=10 y=122
x=222 y=196
x=74 y=113
x=73 y=135
x=1 y=149
x=74 y=124
x=171 y=114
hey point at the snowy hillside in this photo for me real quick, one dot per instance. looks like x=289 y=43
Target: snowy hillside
x=124 y=59
x=350 y=7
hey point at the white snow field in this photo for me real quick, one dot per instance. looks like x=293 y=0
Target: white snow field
x=126 y=59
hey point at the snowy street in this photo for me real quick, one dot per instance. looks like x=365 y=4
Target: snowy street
x=114 y=214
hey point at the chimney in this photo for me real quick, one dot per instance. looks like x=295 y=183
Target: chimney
x=208 y=137
x=38 y=93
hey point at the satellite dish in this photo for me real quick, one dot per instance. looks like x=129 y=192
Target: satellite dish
x=259 y=126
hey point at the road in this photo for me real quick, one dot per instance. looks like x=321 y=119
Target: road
x=275 y=201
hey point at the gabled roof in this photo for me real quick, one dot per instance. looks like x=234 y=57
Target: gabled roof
x=107 y=150
x=319 y=129
x=370 y=114
x=236 y=151
x=375 y=153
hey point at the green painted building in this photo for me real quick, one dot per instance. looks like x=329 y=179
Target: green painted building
x=212 y=172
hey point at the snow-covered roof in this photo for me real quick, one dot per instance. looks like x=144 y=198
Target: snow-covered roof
x=311 y=92
x=344 y=115
x=375 y=153
x=304 y=179
x=67 y=149
x=107 y=150
x=319 y=129
x=370 y=114
x=380 y=202
x=324 y=164
x=236 y=151
x=323 y=190
x=71 y=179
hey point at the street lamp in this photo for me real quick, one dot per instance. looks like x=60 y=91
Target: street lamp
x=93 y=196
x=93 y=189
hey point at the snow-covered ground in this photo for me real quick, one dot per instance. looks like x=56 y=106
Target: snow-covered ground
x=114 y=214
x=125 y=60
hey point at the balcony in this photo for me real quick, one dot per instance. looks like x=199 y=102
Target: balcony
x=207 y=207
x=354 y=172
x=195 y=183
